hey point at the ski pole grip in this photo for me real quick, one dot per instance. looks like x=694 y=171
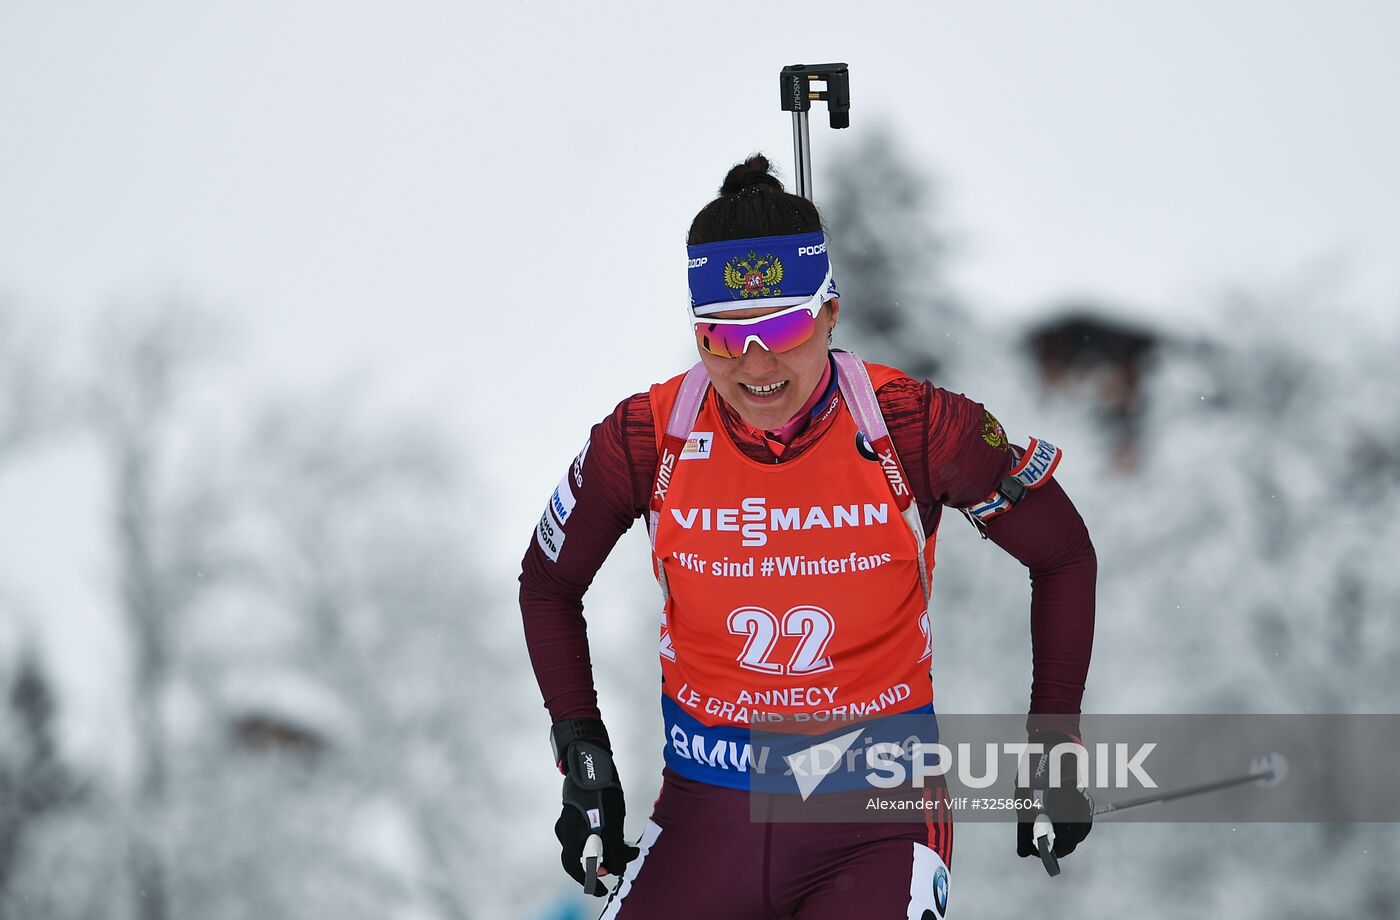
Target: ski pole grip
x=592 y=857
x=1044 y=834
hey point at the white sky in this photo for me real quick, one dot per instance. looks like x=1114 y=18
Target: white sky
x=483 y=205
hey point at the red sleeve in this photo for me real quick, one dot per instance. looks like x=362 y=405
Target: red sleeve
x=955 y=452
x=952 y=449
x=601 y=493
x=1046 y=533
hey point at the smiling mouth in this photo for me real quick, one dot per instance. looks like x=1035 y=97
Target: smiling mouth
x=766 y=390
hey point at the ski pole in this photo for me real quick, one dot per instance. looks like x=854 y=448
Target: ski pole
x=1269 y=769
x=796 y=84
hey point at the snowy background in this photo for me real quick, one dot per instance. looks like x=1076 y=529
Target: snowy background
x=305 y=307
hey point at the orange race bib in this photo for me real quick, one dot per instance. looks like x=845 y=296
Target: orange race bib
x=793 y=591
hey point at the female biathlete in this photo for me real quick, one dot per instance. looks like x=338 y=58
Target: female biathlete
x=792 y=493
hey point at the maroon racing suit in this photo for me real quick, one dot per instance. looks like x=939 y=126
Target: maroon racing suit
x=704 y=857
x=701 y=855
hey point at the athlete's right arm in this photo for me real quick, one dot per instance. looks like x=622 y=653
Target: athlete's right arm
x=601 y=493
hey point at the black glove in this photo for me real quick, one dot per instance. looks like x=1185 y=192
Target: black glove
x=1069 y=807
x=593 y=802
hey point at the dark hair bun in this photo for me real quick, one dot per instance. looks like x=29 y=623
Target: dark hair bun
x=751 y=174
x=752 y=203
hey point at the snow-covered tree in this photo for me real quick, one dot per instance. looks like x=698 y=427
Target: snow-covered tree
x=889 y=257
x=326 y=691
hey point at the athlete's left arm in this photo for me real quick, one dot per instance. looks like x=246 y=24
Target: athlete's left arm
x=1045 y=532
x=965 y=455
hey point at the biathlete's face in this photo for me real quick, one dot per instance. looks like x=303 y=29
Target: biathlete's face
x=768 y=388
